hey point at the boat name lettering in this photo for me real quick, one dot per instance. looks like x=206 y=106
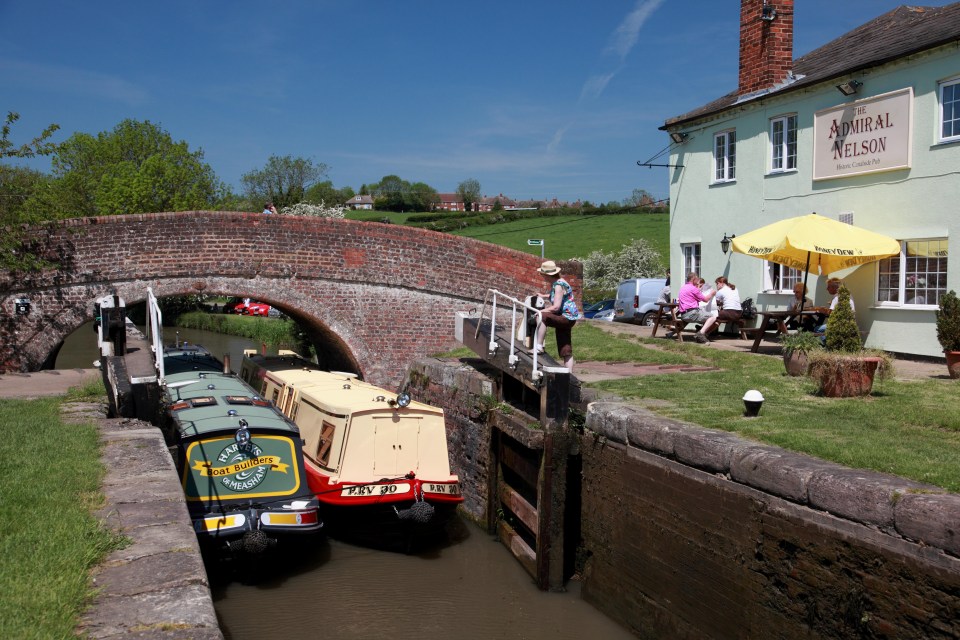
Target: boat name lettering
x=452 y=489
x=363 y=490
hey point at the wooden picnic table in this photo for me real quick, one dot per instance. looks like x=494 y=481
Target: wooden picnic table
x=776 y=322
x=664 y=309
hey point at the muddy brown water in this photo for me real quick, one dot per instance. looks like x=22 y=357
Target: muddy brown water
x=470 y=588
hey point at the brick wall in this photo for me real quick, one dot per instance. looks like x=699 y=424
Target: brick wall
x=766 y=46
x=378 y=295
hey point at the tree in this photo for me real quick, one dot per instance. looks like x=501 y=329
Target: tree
x=469 y=191
x=136 y=168
x=603 y=271
x=36 y=147
x=422 y=197
x=639 y=198
x=283 y=181
x=325 y=192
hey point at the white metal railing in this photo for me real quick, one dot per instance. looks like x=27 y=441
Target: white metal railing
x=518 y=308
x=155 y=332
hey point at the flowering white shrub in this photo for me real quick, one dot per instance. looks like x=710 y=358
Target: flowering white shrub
x=317 y=210
x=635 y=260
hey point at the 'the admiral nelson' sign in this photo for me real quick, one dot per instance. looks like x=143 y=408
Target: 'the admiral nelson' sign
x=865 y=136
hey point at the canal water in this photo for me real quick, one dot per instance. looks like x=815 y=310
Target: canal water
x=468 y=588
x=79 y=350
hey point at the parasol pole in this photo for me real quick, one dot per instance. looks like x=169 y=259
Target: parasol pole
x=803 y=294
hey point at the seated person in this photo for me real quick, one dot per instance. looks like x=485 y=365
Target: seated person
x=688 y=305
x=833 y=286
x=728 y=300
x=800 y=300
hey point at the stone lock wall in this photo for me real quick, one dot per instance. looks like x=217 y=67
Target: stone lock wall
x=692 y=533
x=377 y=296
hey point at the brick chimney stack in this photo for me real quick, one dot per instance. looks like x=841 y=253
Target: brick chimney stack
x=766 y=43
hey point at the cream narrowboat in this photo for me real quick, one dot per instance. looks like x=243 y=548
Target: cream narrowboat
x=377 y=461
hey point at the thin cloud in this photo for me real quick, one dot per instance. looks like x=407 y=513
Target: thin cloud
x=61 y=79
x=595 y=85
x=625 y=37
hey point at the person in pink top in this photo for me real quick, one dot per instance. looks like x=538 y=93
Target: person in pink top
x=688 y=305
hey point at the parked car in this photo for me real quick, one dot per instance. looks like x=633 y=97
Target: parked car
x=597 y=307
x=248 y=307
x=606 y=315
x=636 y=300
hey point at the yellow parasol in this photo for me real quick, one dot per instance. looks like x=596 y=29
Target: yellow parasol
x=813 y=240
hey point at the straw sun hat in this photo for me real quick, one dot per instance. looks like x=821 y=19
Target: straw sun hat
x=549 y=268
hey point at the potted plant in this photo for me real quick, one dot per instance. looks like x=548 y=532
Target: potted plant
x=948 y=331
x=845 y=368
x=796 y=349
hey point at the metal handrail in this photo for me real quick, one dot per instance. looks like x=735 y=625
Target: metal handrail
x=155 y=332
x=516 y=306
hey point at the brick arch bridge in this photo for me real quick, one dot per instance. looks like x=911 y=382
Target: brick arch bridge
x=371 y=297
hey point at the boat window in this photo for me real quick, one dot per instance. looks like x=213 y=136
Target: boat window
x=326 y=439
x=205 y=401
x=239 y=400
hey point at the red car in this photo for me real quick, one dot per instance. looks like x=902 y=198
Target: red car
x=246 y=307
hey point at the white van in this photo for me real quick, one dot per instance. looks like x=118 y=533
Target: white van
x=637 y=300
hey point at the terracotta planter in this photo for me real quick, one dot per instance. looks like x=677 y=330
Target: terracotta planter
x=796 y=363
x=953 y=363
x=845 y=377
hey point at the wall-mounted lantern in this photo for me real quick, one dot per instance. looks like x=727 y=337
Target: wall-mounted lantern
x=725 y=243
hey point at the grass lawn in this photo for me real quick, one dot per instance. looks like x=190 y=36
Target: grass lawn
x=49 y=541
x=907 y=428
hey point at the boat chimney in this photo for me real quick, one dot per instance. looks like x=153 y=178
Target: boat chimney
x=226 y=363
x=766 y=44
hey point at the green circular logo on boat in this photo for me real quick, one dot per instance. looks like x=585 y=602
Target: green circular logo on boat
x=247 y=468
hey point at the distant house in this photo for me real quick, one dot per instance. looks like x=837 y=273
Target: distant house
x=487 y=203
x=449 y=202
x=360 y=202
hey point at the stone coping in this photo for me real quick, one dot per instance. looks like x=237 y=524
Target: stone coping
x=156 y=586
x=919 y=512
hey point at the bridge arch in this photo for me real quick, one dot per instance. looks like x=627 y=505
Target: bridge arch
x=372 y=297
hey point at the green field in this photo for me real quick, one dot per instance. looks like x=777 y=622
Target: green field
x=577 y=236
x=565 y=237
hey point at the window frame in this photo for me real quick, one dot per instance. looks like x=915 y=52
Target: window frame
x=954 y=84
x=788 y=162
x=692 y=256
x=770 y=279
x=903 y=275
x=729 y=158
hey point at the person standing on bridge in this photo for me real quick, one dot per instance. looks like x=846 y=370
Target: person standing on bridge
x=561 y=313
x=269 y=208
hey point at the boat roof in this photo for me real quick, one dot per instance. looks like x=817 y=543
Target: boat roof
x=203 y=399
x=337 y=392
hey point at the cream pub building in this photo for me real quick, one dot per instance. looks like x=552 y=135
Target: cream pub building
x=865 y=130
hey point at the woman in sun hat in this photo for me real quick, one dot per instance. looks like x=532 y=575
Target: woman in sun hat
x=561 y=313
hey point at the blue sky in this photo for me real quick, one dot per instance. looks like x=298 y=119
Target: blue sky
x=534 y=99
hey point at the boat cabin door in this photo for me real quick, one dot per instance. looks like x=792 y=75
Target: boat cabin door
x=396 y=445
